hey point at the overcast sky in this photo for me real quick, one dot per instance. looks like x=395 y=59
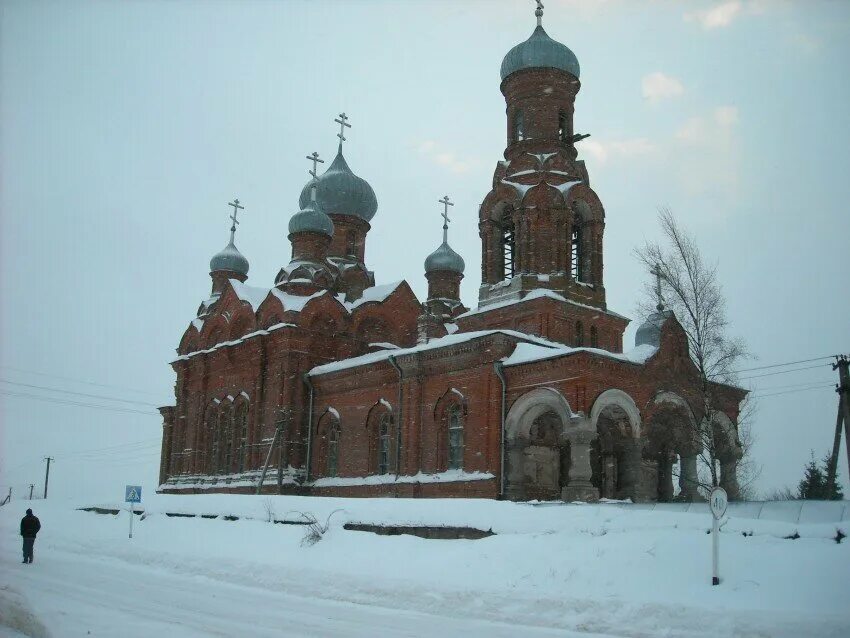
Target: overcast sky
x=128 y=126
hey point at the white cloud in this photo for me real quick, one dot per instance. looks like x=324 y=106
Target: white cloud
x=708 y=153
x=604 y=150
x=442 y=157
x=658 y=86
x=721 y=15
x=726 y=116
x=725 y=13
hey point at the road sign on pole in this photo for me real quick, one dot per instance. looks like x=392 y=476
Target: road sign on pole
x=132 y=494
x=718 y=501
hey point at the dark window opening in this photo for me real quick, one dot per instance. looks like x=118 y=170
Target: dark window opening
x=384 y=445
x=577 y=250
x=519 y=127
x=455 y=439
x=594 y=337
x=563 y=127
x=579 y=336
x=351 y=240
x=508 y=244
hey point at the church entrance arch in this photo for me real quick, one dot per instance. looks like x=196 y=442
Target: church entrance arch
x=537 y=453
x=671 y=437
x=616 y=453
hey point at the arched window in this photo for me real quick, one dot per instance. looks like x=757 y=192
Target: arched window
x=577 y=249
x=455 y=438
x=594 y=337
x=519 y=127
x=579 y=336
x=508 y=242
x=226 y=443
x=242 y=431
x=351 y=243
x=384 y=443
x=212 y=440
x=563 y=127
x=333 y=449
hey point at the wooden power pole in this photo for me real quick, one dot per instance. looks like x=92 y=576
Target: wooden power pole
x=47 y=474
x=842 y=364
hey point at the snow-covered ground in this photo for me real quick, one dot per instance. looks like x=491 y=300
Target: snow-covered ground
x=549 y=570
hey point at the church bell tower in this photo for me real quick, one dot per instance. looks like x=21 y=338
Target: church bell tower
x=541 y=225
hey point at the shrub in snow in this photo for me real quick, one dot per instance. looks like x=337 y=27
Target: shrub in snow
x=269 y=507
x=315 y=530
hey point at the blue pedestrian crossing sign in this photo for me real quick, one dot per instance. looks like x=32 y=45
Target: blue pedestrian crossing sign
x=133 y=494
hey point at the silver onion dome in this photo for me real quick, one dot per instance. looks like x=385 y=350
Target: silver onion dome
x=311 y=219
x=444 y=258
x=340 y=191
x=540 y=51
x=230 y=259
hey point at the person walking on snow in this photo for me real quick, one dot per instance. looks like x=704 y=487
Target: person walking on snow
x=29 y=528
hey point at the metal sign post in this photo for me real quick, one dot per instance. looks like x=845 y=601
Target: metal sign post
x=132 y=494
x=717 y=501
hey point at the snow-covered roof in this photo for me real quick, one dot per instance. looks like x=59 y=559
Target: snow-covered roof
x=225 y=344
x=252 y=294
x=530 y=353
x=537 y=294
x=375 y=293
x=442 y=342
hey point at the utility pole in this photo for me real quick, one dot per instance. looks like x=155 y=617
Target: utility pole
x=842 y=364
x=47 y=474
x=32 y=485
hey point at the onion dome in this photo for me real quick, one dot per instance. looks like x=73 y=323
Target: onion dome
x=341 y=192
x=540 y=51
x=311 y=219
x=649 y=332
x=230 y=259
x=444 y=258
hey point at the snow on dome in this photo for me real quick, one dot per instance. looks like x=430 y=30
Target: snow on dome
x=649 y=332
x=444 y=258
x=311 y=220
x=340 y=191
x=540 y=51
x=230 y=259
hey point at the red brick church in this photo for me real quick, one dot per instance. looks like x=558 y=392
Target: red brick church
x=328 y=384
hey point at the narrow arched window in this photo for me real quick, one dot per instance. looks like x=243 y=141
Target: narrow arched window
x=333 y=450
x=384 y=444
x=579 y=336
x=508 y=242
x=519 y=127
x=455 y=438
x=594 y=337
x=563 y=127
x=212 y=441
x=226 y=441
x=577 y=250
x=351 y=243
x=242 y=430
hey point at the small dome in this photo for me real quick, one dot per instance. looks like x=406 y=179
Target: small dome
x=311 y=220
x=444 y=258
x=229 y=259
x=540 y=51
x=341 y=192
x=649 y=332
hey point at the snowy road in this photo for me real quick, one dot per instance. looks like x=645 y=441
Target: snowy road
x=79 y=596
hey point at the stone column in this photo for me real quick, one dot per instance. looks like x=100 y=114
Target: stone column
x=631 y=471
x=665 y=478
x=729 y=477
x=688 y=477
x=579 y=487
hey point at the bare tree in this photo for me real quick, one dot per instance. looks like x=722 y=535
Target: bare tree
x=689 y=287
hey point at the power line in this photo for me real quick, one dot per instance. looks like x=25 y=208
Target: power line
x=781 y=365
x=81 y=394
x=75 y=403
x=72 y=379
x=791 y=386
x=770 y=374
x=776 y=394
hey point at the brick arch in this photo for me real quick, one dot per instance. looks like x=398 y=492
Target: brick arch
x=327 y=426
x=380 y=414
x=531 y=405
x=614 y=397
x=452 y=399
x=241 y=324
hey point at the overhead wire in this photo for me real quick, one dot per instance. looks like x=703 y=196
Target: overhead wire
x=81 y=394
x=72 y=379
x=782 y=365
x=36 y=397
